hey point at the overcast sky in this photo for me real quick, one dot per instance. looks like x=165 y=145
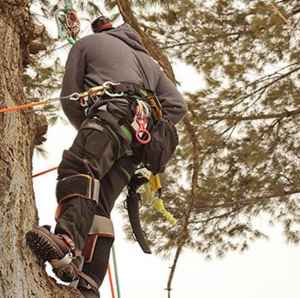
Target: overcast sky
x=268 y=269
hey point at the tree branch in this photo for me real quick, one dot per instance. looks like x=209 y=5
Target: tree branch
x=245 y=202
x=173 y=268
x=255 y=117
x=129 y=17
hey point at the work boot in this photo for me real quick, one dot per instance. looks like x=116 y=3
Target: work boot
x=58 y=250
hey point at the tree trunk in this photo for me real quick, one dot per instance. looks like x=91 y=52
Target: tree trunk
x=20 y=273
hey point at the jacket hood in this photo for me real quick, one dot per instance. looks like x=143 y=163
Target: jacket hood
x=127 y=34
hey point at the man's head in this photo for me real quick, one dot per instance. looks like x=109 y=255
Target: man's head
x=101 y=23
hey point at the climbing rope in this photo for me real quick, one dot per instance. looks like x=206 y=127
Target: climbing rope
x=44 y=172
x=116 y=271
x=111 y=283
x=100 y=90
x=30 y=105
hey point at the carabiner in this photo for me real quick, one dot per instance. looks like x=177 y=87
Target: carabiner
x=75 y=96
x=98 y=90
x=107 y=85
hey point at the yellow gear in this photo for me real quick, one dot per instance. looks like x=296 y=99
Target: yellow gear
x=151 y=192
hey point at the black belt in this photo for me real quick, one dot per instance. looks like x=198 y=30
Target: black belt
x=130 y=89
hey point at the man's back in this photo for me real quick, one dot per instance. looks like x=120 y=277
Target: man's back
x=117 y=55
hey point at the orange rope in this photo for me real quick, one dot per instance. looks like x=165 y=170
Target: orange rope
x=111 y=282
x=24 y=106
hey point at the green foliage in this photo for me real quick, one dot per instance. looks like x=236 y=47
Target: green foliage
x=245 y=123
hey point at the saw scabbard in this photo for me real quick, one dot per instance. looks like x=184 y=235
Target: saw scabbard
x=132 y=201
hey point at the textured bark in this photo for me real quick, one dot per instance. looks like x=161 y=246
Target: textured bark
x=20 y=273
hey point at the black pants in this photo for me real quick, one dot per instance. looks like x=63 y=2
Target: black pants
x=104 y=155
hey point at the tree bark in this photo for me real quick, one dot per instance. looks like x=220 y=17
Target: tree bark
x=20 y=273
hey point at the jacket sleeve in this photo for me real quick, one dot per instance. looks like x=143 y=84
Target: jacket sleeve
x=73 y=82
x=174 y=107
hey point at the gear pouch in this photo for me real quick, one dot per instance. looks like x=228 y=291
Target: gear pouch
x=156 y=154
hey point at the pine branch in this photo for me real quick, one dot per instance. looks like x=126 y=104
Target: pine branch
x=260 y=116
x=242 y=203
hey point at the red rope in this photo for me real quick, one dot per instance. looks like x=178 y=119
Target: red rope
x=111 y=283
x=44 y=172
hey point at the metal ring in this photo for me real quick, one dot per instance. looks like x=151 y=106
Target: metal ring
x=75 y=96
x=142 y=139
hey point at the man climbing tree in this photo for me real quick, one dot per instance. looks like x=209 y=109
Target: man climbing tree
x=122 y=105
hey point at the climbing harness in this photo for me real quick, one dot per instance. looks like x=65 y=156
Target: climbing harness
x=105 y=88
x=68 y=23
x=142 y=113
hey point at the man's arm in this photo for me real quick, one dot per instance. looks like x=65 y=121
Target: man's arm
x=174 y=107
x=73 y=82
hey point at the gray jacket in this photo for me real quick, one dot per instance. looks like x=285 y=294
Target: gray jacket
x=116 y=55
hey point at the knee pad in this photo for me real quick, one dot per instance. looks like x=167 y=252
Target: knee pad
x=82 y=186
x=101 y=227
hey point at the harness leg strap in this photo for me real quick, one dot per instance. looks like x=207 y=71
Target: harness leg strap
x=80 y=185
x=76 y=186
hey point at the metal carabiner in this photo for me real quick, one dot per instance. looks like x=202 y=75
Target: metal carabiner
x=78 y=97
x=98 y=90
x=75 y=96
x=107 y=85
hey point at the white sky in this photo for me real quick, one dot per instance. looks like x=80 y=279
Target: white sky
x=269 y=269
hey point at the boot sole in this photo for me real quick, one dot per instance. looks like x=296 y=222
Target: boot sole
x=41 y=244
